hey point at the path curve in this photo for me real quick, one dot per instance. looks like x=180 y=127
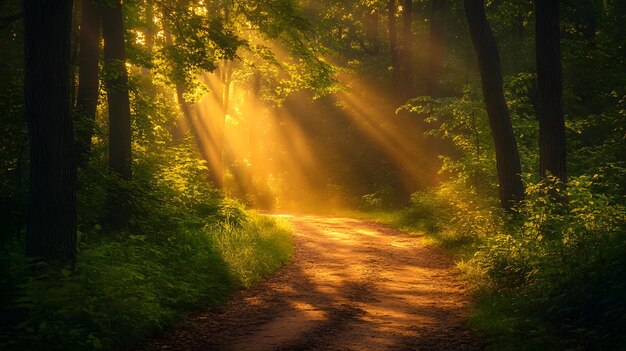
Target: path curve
x=352 y=285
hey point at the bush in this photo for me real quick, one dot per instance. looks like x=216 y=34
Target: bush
x=377 y=200
x=122 y=290
x=550 y=276
x=565 y=261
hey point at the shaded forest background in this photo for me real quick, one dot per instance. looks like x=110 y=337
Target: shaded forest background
x=183 y=115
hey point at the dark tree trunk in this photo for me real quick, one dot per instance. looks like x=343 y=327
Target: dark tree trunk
x=149 y=32
x=116 y=82
x=87 y=99
x=393 y=47
x=507 y=156
x=52 y=193
x=407 y=49
x=590 y=13
x=550 y=93
x=436 y=44
x=74 y=55
x=372 y=30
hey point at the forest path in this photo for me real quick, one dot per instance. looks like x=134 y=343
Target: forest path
x=353 y=285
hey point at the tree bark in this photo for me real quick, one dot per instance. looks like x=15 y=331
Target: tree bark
x=116 y=83
x=393 y=47
x=52 y=193
x=372 y=30
x=407 y=49
x=436 y=44
x=507 y=156
x=74 y=54
x=149 y=32
x=87 y=97
x=552 y=153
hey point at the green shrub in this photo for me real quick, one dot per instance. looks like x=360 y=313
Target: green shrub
x=122 y=290
x=377 y=200
x=564 y=263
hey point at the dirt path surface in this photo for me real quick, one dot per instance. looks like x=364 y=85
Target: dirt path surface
x=353 y=285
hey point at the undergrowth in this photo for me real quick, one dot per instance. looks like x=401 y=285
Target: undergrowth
x=550 y=276
x=185 y=246
x=122 y=290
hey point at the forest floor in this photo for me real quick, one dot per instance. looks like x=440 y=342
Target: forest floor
x=352 y=285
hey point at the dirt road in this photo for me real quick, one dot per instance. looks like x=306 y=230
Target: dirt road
x=353 y=285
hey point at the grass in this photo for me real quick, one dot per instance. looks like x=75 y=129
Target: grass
x=497 y=319
x=123 y=290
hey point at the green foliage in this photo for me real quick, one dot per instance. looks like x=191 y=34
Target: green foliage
x=124 y=289
x=378 y=199
x=566 y=260
x=186 y=246
x=552 y=276
x=553 y=273
x=462 y=121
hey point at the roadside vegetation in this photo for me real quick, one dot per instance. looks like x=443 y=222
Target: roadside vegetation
x=551 y=274
x=127 y=286
x=138 y=135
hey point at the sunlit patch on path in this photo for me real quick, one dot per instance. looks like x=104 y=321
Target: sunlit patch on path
x=353 y=285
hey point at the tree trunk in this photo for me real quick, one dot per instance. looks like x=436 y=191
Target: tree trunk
x=52 y=193
x=393 y=47
x=74 y=54
x=507 y=156
x=407 y=49
x=116 y=82
x=87 y=99
x=149 y=32
x=372 y=30
x=550 y=94
x=436 y=53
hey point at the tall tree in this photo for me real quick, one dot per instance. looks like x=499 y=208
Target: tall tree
x=87 y=97
x=393 y=46
x=372 y=28
x=52 y=193
x=552 y=155
x=116 y=83
x=436 y=47
x=507 y=156
x=407 y=49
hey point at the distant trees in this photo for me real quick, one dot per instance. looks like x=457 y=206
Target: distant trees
x=372 y=28
x=552 y=155
x=394 y=48
x=507 y=156
x=401 y=48
x=407 y=50
x=436 y=47
x=52 y=185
